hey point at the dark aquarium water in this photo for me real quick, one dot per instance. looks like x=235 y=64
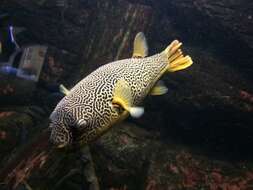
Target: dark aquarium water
x=196 y=132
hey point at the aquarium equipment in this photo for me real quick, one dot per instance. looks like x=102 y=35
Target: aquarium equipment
x=12 y=37
x=31 y=62
x=8 y=70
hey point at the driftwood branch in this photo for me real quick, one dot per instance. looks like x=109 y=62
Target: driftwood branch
x=88 y=169
x=38 y=155
x=32 y=156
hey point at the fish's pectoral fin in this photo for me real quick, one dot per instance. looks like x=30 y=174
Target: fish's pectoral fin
x=140 y=46
x=177 y=61
x=159 y=89
x=122 y=96
x=64 y=90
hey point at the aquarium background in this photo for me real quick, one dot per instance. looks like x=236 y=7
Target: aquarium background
x=197 y=136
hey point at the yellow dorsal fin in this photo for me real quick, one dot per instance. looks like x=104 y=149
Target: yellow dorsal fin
x=140 y=46
x=159 y=89
x=122 y=96
x=176 y=60
x=64 y=90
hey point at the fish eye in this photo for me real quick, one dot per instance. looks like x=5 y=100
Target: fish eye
x=81 y=124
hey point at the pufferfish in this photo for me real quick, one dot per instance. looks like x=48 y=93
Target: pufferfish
x=113 y=92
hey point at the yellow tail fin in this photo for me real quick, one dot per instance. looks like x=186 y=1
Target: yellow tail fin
x=177 y=61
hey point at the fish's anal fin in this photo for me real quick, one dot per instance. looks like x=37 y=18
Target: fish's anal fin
x=176 y=60
x=159 y=89
x=64 y=90
x=140 y=46
x=122 y=96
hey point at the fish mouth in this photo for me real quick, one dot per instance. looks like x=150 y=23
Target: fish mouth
x=60 y=137
x=60 y=146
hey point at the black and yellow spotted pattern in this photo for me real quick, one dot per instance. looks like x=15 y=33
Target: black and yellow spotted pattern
x=87 y=111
